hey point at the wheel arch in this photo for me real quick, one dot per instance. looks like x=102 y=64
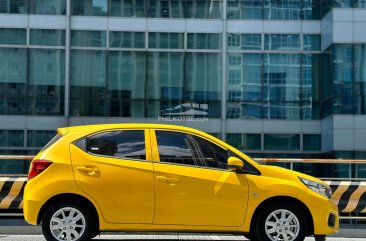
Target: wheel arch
x=69 y=197
x=281 y=199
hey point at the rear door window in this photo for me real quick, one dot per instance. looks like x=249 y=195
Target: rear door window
x=128 y=144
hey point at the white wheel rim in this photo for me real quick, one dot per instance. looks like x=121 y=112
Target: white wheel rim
x=67 y=224
x=282 y=225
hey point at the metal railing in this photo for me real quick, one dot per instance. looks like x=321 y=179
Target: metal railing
x=291 y=163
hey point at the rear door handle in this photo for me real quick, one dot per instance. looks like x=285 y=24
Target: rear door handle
x=167 y=180
x=90 y=170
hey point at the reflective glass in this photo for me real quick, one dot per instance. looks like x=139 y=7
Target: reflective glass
x=127 y=39
x=204 y=41
x=165 y=9
x=166 y=40
x=311 y=9
x=359 y=69
x=89 y=7
x=282 y=10
x=48 y=37
x=343 y=104
x=126 y=83
x=282 y=42
x=120 y=144
x=203 y=9
x=180 y=148
x=235 y=140
x=13 y=36
x=312 y=142
x=87 y=90
x=85 y=38
x=283 y=142
x=282 y=77
x=310 y=95
x=13 y=76
x=47 y=7
x=14 y=6
x=252 y=142
x=244 y=41
x=39 y=138
x=282 y=110
x=46 y=81
x=312 y=42
x=342 y=3
x=11 y=138
x=342 y=69
x=244 y=9
x=165 y=76
x=359 y=4
x=360 y=105
x=127 y=8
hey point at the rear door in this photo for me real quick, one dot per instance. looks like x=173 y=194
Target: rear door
x=113 y=168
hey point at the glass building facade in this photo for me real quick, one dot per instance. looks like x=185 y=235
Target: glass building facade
x=279 y=78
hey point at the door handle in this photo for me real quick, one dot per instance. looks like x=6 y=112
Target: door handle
x=88 y=170
x=168 y=180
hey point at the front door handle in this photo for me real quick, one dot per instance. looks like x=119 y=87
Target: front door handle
x=168 y=180
x=90 y=170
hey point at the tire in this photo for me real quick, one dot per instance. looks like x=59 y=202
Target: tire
x=80 y=227
x=270 y=223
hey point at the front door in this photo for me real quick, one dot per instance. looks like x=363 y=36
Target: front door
x=193 y=185
x=112 y=168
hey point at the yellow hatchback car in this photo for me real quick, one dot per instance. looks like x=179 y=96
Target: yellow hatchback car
x=151 y=177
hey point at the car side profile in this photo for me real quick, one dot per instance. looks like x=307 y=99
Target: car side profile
x=153 y=177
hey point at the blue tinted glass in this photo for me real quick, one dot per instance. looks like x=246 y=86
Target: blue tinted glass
x=359 y=69
x=312 y=42
x=48 y=37
x=282 y=42
x=282 y=10
x=244 y=9
x=85 y=38
x=11 y=138
x=14 y=6
x=165 y=9
x=89 y=7
x=245 y=41
x=204 y=41
x=127 y=8
x=13 y=36
x=203 y=9
x=281 y=142
x=166 y=40
x=47 y=7
x=312 y=142
x=39 y=138
x=127 y=39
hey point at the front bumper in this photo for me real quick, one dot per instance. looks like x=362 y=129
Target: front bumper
x=327 y=221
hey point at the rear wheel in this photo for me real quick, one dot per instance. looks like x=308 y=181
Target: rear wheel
x=68 y=222
x=281 y=222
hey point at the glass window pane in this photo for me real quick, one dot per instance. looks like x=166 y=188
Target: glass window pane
x=14 y=36
x=342 y=3
x=180 y=148
x=39 y=138
x=166 y=40
x=252 y=142
x=11 y=138
x=282 y=10
x=310 y=86
x=126 y=83
x=282 y=110
x=120 y=144
x=359 y=4
x=165 y=9
x=46 y=81
x=89 y=7
x=13 y=74
x=312 y=142
x=244 y=41
x=281 y=142
x=203 y=9
x=14 y=6
x=127 y=39
x=127 y=8
x=235 y=140
x=312 y=42
x=311 y=9
x=342 y=69
x=88 y=38
x=48 y=37
x=48 y=7
x=359 y=69
x=282 y=42
x=244 y=9
x=87 y=94
x=204 y=41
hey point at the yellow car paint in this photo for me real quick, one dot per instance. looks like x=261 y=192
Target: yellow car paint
x=132 y=195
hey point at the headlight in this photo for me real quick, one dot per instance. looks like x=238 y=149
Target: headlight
x=317 y=187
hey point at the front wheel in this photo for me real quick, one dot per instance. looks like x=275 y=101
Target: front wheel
x=285 y=222
x=68 y=222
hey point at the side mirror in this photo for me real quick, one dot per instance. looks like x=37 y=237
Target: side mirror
x=234 y=164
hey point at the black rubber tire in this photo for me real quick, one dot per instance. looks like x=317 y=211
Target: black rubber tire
x=90 y=224
x=320 y=237
x=259 y=229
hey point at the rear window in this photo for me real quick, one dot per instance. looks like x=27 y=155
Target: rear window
x=51 y=142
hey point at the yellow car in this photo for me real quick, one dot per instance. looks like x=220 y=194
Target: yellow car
x=152 y=177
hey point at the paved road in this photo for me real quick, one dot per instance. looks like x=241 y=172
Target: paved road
x=176 y=237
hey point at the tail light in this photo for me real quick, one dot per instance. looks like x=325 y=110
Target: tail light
x=38 y=166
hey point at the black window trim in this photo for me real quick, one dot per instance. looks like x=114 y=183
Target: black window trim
x=111 y=157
